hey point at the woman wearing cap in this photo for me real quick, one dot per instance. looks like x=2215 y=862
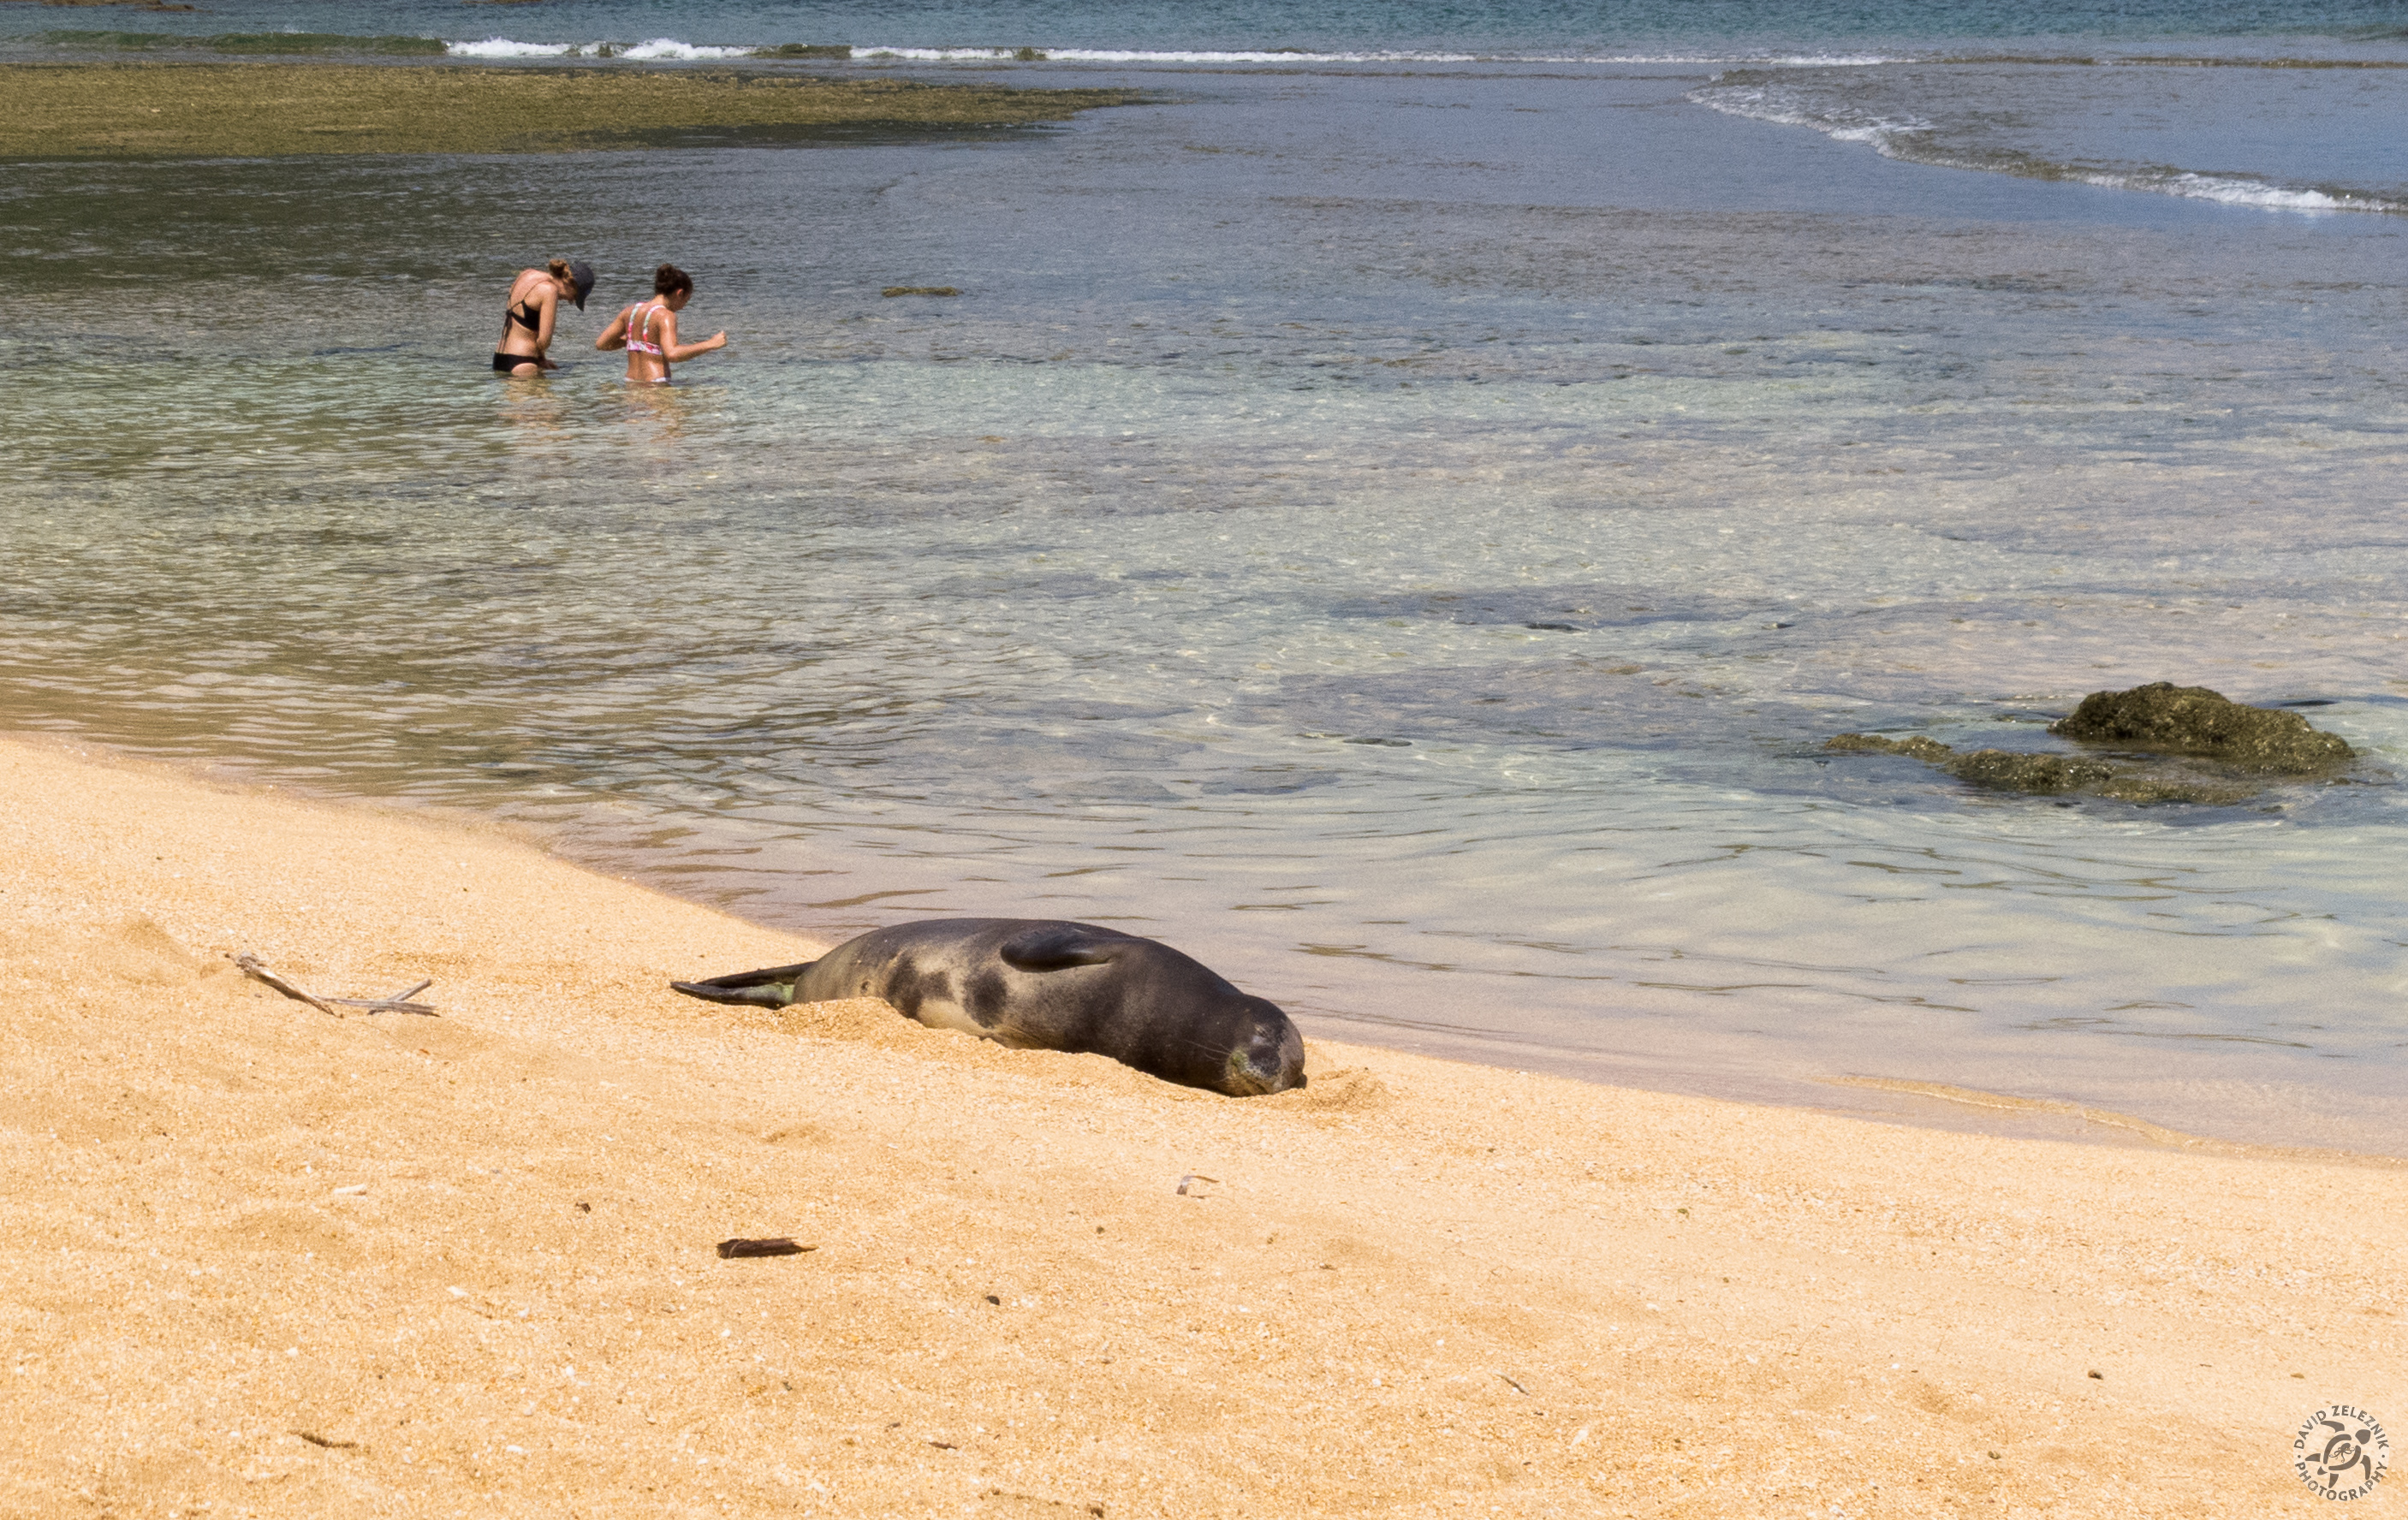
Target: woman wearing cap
x=648 y=329
x=527 y=320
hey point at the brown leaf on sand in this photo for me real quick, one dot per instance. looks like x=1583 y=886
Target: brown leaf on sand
x=774 y=1246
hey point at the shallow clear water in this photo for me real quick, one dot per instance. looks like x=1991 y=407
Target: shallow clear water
x=1399 y=532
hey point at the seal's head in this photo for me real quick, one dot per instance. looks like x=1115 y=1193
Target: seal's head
x=1266 y=1055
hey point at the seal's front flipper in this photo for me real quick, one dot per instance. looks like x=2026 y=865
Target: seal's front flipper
x=1054 y=946
x=771 y=988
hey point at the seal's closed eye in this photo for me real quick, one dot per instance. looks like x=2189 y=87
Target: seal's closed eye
x=1059 y=945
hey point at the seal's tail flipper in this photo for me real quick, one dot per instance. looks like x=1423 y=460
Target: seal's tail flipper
x=771 y=988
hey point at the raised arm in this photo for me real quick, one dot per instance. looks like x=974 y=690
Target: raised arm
x=678 y=352
x=615 y=336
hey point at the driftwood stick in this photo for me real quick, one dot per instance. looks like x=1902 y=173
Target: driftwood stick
x=252 y=966
x=398 y=1003
x=383 y=1005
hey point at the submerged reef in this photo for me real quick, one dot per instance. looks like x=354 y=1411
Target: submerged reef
x=264 y=110
x=2200 y=747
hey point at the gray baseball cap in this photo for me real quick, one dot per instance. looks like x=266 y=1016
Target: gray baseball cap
x=580 y=274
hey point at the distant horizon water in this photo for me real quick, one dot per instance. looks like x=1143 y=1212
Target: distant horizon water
x=1396 y=512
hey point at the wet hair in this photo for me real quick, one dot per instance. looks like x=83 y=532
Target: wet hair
x=669 y=280
x=558 y=269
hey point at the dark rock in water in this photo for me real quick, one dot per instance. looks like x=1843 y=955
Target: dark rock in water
x=1920 y=747
x=2055 y=775
x=2193 y=720
x=2041 y=775
x=892 y=291
x=2176 y=783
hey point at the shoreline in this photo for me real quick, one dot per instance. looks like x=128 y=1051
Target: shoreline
x=1875 y=1097
x=191 y=109
x=468 y=1258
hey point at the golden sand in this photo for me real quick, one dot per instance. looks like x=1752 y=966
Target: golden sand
x=268 y=1261
x=223 y=111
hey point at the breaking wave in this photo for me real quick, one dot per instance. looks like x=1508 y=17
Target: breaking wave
x=669 y=48
x=658 y=47
x=1916 y=140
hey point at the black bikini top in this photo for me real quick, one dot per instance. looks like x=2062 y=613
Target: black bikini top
x=525 y=315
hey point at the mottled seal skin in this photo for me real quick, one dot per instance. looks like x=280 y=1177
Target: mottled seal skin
x=1048 y=984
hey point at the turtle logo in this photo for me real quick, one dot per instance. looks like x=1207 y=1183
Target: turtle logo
x=2340 y=1451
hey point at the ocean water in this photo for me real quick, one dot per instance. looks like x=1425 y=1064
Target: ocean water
x=1394 y=513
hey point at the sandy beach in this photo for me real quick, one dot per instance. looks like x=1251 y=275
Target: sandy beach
x=260 y=1260
x=228 y=110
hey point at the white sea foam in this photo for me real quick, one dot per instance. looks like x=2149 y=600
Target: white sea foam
x=2229 y=191
x=658 y=47
x=505 y=48
x=1917 y=140
x=1784 y=107
x=671 y=48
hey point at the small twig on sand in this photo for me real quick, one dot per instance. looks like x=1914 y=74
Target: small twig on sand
x=398 y=1003
x=1517 y=1387
x=1195 y=1177
x=252 y=967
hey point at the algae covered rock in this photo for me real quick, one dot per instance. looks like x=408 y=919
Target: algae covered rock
x=2205 y=750
x=1917 y=746
x=2180 y=783
x=2193 y=720
x=2039 y=775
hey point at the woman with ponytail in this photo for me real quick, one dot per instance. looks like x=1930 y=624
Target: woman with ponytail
x=527 y=316
x=648 y=330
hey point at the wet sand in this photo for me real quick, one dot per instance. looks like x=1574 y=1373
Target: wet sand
x=243 y=110
x=271 y=1261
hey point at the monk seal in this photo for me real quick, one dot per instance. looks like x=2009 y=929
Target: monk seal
x=1048 y=984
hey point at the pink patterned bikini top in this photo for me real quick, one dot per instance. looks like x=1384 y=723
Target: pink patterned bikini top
x=640 y=327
